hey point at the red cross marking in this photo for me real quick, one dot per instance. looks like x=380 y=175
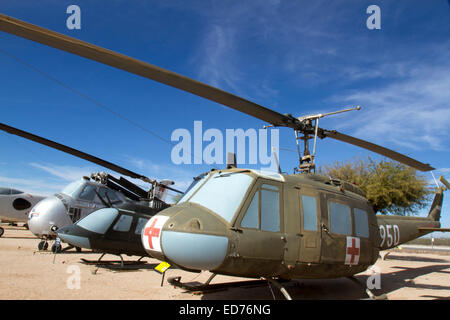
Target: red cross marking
x=151 y=232
x=353 y=250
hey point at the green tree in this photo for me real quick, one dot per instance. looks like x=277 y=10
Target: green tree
x=391 y=187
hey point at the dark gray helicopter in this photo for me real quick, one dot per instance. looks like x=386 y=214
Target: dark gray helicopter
x=84 y=196
x=109 y=231
x=113 y=230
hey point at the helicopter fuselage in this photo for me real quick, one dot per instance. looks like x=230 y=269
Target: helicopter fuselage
x=245 y=223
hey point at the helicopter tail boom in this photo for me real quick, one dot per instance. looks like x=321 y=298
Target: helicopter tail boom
x=396 y=230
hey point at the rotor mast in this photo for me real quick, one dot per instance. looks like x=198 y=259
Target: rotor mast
x=311 y=124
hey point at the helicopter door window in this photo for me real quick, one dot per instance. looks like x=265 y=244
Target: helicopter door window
x=251 y=216
x=264 y=211
x=123 y=224
x=361 y=223
x=270 y=208
x=140 y=225
x=340 y=218
x=309 y=207
x=88 y=193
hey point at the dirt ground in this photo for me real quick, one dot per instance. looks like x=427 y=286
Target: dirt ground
x=26 y=273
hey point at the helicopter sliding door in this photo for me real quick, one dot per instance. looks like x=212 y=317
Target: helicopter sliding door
x=345 y=239
x=310 y=240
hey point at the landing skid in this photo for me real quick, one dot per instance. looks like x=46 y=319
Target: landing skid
x=199 y=288
x=113 y=264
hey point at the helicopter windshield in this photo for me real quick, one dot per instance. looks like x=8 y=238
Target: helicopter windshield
x=192 y=188
x=222 y=192
x=73 y=188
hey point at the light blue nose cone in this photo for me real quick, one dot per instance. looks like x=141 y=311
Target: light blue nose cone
x=194 y=251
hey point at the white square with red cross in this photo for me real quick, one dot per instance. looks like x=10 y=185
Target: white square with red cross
x=352 y=251
x=152 y=233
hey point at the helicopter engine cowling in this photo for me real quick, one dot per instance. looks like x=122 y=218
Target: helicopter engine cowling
x=188 y=236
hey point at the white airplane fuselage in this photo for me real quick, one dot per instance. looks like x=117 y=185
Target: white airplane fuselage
x=15 y=205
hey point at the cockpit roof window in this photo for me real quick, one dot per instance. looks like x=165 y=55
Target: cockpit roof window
x=15 y=191
x=73 y=188
x=5 y=191
x=223 y=192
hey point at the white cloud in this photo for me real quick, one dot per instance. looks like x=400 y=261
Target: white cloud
x=67 y=173
x=412 y=111
x=34 y=186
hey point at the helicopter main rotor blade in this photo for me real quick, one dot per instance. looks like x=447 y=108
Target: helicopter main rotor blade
x=120 y=61
x=378 y=149
x=72 y=151
x=123 y=62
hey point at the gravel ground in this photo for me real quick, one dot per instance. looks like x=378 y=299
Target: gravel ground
x=26 y=273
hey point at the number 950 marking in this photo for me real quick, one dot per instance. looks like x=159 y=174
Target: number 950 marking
x=390 y=235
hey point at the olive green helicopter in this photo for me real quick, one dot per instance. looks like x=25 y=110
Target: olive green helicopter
x=247 y=223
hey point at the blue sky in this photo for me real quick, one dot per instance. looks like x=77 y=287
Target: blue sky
x=297 y=57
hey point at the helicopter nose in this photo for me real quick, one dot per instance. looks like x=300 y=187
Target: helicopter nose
x=74 y=236
x=48 y=214
x=184 y=238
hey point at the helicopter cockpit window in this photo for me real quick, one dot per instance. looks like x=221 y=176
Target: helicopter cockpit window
x=309 y=209
x=124 y=223
x=88 y=193
x=14 y=191
x=264 y=210
x=223 y=192
x=5 y=191
x=361 y=223
x=99 y=221
x=73 y=188
x=340 y=219
x=108 y=194
x=251 y=219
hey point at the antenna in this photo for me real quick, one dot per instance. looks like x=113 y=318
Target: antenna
x=231 y=160
x=276 y=159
